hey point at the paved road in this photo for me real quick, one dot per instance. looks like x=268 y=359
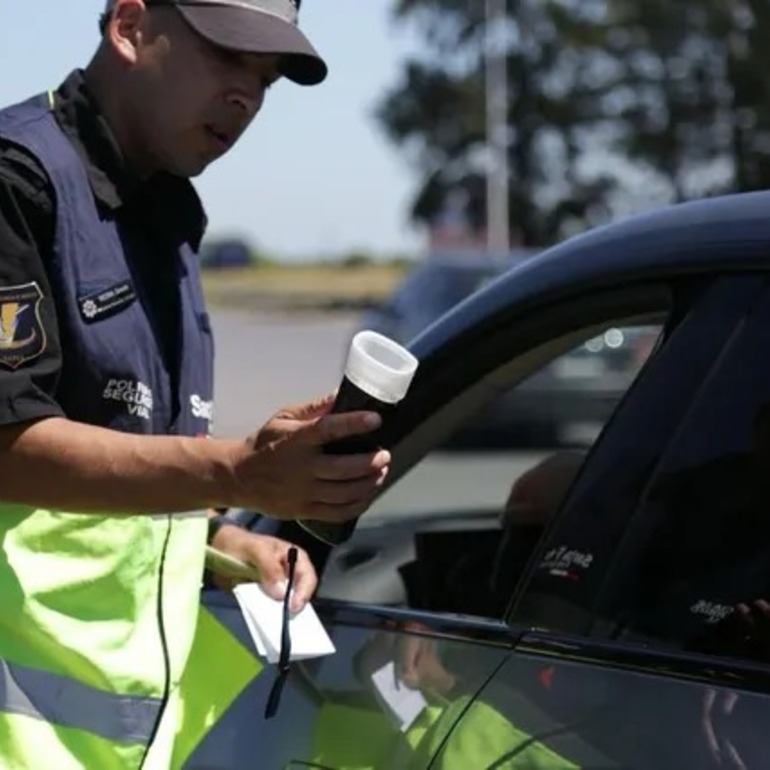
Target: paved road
x=265 y=361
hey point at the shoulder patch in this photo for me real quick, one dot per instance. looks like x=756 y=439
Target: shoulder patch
x=22 y=336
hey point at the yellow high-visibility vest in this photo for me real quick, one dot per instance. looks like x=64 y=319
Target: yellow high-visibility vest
x=97 y=620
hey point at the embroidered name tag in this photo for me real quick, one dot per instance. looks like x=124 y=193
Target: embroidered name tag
x=107 y=302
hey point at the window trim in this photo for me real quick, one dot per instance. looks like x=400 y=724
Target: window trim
x=526 y=342
x=634 y=657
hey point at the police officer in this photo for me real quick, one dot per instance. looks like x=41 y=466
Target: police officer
x=106 y=382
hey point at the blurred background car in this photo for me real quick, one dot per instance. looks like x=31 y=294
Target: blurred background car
x=229 y=252
x=565 y=404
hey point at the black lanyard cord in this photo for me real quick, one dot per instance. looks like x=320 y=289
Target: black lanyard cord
x=284 y=659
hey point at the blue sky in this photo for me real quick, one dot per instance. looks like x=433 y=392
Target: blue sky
x=313 y=175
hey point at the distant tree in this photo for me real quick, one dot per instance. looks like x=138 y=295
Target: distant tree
x=613 y=104
x=356 y=259
x=436 y=113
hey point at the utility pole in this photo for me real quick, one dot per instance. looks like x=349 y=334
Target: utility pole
x=498 y=213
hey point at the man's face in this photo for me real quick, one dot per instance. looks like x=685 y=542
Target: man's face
x=189 y=100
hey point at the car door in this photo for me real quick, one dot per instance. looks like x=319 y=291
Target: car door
x=648 y=589
x=564 y=702
x=353 y=709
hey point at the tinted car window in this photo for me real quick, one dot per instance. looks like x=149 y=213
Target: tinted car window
x=582 y=554
x=693 y=570
x=666 y=528
x=456 y=534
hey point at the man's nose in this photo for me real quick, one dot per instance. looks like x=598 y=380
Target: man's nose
x=247 y=102
x=248 y=90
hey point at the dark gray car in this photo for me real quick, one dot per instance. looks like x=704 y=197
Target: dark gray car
x=628 y=627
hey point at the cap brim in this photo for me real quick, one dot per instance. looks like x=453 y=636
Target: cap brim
x=253 y=31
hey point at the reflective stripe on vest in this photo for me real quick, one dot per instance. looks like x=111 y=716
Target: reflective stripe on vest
x=63 y=701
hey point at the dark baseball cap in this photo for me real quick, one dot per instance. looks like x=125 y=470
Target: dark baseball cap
x=254 y=26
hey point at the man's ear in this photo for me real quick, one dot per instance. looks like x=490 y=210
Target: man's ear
x=124 y=28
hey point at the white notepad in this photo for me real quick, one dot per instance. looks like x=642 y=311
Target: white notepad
x=264 y=619
x=403 y=703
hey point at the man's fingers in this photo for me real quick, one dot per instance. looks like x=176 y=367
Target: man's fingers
x=761 y=616
x=337 y=514
x=305 y=582
x=347 y=492
x=350 y=467
x=309 y=411
x=338 y=502
x=275 y=578
x=763 y=606
x=333 y=427
x=271 y=574
x=315 y=409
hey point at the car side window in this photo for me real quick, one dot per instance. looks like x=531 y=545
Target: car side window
x=693 y=569
x=583 y=556
x=455 y=535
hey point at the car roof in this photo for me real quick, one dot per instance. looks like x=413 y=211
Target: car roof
x=729 y=232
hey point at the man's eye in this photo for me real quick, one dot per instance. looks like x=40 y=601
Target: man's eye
x=231 y=58
x=223 y=55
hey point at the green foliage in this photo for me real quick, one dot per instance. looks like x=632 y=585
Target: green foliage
x=263 y=260
x=613 y=105
x=356 y=259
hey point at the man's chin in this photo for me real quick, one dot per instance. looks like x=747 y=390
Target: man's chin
x=198 y=171
x=192 y=169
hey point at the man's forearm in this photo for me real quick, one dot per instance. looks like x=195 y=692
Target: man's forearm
x=69 y=466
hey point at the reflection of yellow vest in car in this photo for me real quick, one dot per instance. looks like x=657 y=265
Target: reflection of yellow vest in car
x=480 y=737
x=352 y=737
x=97 y=619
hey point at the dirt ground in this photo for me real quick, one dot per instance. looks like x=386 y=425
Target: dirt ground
x=301 y=287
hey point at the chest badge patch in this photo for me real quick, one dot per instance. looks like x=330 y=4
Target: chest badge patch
x=22 y=336
x=106 y=302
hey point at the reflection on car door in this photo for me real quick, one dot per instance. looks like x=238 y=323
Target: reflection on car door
x=559 y=703
x=385 y=701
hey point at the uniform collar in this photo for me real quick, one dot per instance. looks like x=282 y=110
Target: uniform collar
x=112 y=181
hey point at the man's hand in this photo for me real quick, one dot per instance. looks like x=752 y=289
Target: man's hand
x=418 y=666
x=283 y=472
x=417 y=663
x=744 y=633
x=270 y=556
